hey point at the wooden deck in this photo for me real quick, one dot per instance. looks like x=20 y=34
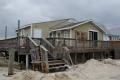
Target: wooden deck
x=74 y=46
x=79 y=46
x=89 y=50
x=50 y=50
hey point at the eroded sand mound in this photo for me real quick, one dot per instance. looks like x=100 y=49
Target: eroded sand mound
x=91 y=70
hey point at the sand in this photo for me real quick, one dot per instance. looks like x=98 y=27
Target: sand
x=92 y=70
x=3 y=72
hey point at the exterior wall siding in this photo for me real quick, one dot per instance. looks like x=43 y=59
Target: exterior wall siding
x=25 y=32
x=86 y=28
x=45 y=29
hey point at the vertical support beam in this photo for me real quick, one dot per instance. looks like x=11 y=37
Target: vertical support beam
x=102 y=55
x=31 y=35
x=46 y=62
x=108 y=52
x=64 y=42
x=83 y=57
x=11 y=61
x=6 y=32
x=75 y=58
x=27 y=61
x=93 y=56
x=18 y=39
x=70 y=37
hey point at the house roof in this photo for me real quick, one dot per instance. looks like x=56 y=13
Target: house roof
x=60 y=25
x=54 y=23
x=66 y=24
x=73 y=25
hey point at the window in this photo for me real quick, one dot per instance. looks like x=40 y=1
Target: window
x=93 y=35
x=37 y=33
x=66 y=34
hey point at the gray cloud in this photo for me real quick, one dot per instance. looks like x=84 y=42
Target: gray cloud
x=103 y=11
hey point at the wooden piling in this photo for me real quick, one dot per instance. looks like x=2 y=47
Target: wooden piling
x=11 y=61
x=27 y=61
x=75 y=58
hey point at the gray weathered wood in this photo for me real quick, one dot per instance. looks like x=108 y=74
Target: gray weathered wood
x=11 y=61
x=18 y=39
x=27 y=61
x=75 y=58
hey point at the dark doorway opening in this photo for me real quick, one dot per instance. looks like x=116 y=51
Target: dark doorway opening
x=93 y=35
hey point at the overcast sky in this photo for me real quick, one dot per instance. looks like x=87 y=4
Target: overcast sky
x=106 y=12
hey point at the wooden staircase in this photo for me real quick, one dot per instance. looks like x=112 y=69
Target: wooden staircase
x=56 y=64
x=43 y=58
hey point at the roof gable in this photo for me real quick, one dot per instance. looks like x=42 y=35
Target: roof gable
x=73 y=25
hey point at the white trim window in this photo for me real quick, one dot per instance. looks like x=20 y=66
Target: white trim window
x=66 y=34
x=37 y=33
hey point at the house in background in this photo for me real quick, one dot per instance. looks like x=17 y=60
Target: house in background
x=85 y=30
x=113 y=37
x=39 y=30
x=114 y=34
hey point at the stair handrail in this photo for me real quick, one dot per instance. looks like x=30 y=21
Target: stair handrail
x=33 y=41
x=48 y=42
x=65 y=48
x=34 y=49
x=48 y=46
x=41 y=46
x=44 y=54
x=67 y=51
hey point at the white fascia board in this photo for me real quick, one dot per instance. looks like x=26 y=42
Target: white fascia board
x=98 y=26
x=93 y=30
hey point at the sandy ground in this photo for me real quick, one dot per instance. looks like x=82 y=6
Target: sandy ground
x=91 y=70
x=3 y=72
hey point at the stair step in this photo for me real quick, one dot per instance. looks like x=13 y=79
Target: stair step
x=58 y=67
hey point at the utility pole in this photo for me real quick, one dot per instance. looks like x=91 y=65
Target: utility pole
x=5 y=32
x=18 y=39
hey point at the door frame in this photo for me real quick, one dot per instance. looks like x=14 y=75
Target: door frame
x=93 y=31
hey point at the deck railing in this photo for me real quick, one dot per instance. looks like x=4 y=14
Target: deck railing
x=7 y=43
x=79 y=43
